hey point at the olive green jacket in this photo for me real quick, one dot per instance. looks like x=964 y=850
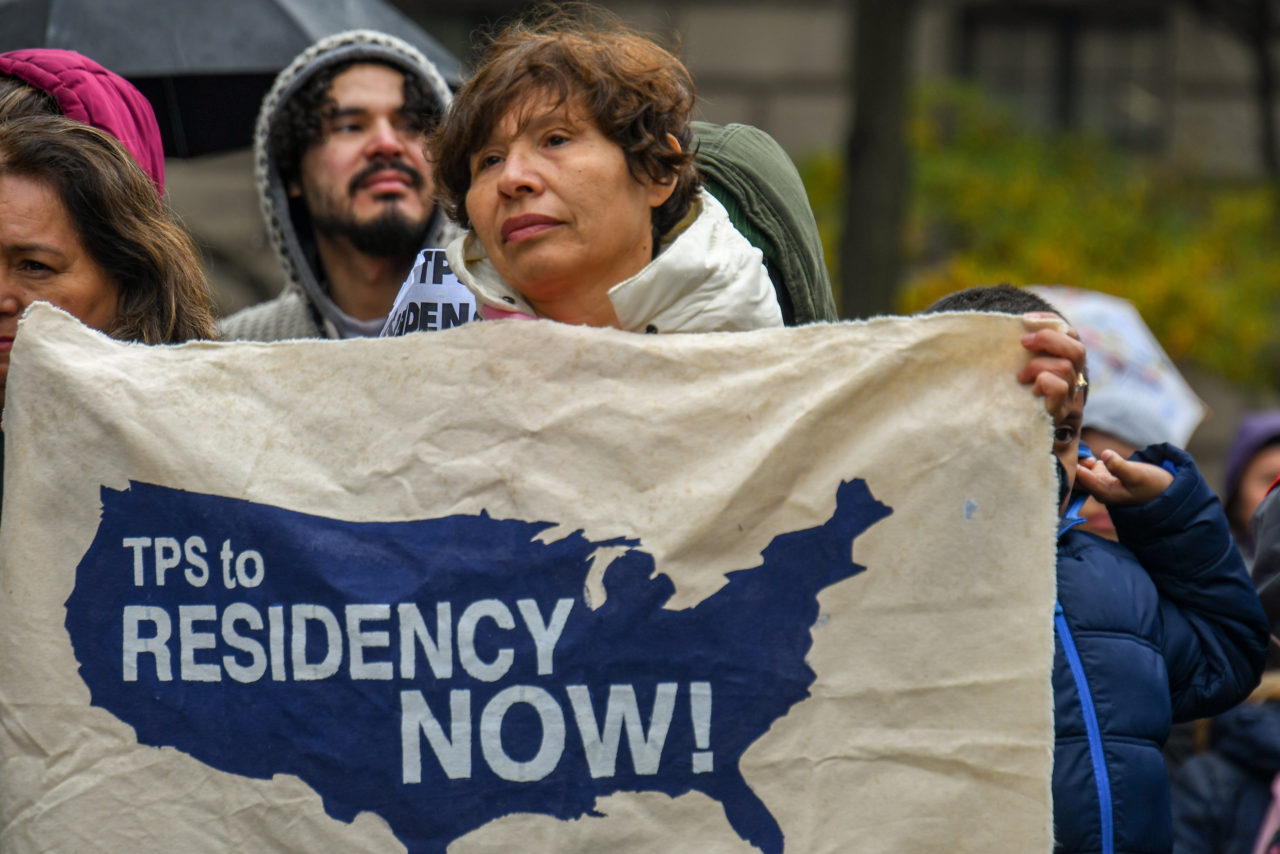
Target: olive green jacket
x=755 y=180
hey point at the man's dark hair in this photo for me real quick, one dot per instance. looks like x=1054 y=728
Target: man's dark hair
x=299 y=123
x=1003 y=299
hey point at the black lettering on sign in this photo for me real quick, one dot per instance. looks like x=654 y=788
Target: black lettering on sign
x=454 y=314
x=440 y=267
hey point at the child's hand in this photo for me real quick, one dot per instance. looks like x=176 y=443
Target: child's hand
x=1055 y=369
x=1115 y=481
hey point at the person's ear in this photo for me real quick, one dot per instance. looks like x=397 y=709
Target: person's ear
x=660 y=192
x=294 y=189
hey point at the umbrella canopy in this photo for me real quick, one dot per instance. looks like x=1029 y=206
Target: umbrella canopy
x=204 y=65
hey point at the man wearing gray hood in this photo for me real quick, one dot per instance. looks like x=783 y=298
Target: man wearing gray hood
x=344 y=185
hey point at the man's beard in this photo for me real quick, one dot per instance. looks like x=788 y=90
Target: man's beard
x=391 y=234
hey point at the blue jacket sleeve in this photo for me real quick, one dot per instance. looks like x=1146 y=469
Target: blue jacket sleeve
x=1214 y=632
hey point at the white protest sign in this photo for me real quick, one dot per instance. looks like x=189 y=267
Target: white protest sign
x=532 y=587
x=431 y=298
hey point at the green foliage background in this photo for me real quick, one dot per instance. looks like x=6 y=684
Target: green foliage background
x=992 y=201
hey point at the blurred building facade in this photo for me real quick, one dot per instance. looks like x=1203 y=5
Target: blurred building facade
x=1158 y=77
x=1164 y=76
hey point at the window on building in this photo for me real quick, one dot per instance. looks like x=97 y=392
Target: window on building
x=1082 y=66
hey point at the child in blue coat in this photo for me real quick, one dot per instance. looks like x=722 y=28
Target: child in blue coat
x=1163 y=626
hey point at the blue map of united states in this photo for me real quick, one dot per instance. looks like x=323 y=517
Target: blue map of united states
x=443 y=673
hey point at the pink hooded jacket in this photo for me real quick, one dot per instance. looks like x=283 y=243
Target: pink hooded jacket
x=87 y=92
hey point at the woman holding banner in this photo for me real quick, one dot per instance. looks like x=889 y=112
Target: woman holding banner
x=568 y=157
x=126 y=266
x=82 y=227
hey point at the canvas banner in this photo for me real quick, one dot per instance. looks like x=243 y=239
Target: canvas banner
x=524 y=586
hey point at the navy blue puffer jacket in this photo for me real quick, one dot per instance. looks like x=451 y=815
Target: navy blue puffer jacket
x=1166 y=627
x=1221 y=797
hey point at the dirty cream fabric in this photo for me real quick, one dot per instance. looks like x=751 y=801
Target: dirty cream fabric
x=792 y=590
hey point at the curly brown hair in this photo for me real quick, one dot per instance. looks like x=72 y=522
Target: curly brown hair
x=299 y=122
x=636 y=92
x=123 y=224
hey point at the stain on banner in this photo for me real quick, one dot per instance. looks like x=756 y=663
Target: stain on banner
x=402 y=667
x=431 y=298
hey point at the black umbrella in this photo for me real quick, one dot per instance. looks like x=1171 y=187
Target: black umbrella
x=203 y=64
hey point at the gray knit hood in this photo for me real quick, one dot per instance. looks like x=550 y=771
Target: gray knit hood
x=287 y=237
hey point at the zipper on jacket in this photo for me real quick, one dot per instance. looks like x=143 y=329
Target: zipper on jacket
x=1091 y=727
x=1071 y=516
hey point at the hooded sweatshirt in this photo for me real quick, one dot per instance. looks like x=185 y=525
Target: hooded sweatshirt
x=304 y=308
x=1257 y=431
x=87 y=92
